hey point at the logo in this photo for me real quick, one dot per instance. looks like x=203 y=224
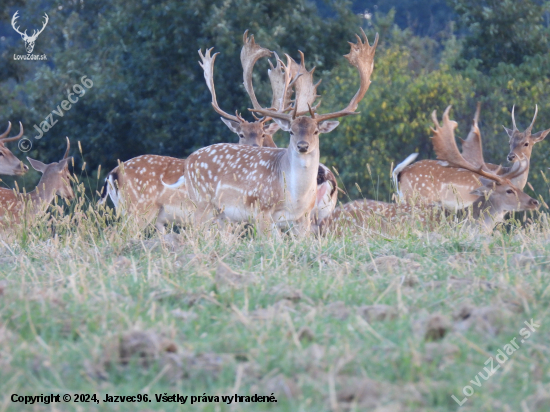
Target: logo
x=29 y=40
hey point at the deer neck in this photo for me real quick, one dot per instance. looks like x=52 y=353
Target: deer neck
x=487 y=213
x=42 y=194
x=300 y=173
x=521 y=180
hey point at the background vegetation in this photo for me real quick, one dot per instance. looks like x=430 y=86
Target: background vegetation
x=149 y=95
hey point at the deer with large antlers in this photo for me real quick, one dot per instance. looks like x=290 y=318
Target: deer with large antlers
x=55 y=180
x=271 y=186
x=432 y=182
x=140 y=178
x=29 y=40
x=9 y=164
x=495 y=195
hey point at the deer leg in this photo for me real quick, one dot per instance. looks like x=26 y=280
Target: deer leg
x=302 y=226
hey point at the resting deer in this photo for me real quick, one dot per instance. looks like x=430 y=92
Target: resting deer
x=272 y=186
x=496 y=196
x=55 y=180
x=432 y=182
x=9 y=164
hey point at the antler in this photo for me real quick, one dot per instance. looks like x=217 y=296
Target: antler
x=36 y=33
x=360 y=56
x=4 y=139
x=280 y=77
x=514 y=118
x=207 y=64
x=250 y=54
x=306 y=91
x=281 y=83
x=446 y=149
x=13 y=21
x=68 y=148
x=472 y=148
x=528 y=130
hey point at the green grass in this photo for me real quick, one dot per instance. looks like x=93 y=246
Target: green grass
x=98 y=308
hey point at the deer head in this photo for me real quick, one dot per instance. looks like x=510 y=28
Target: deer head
x=55 y=178
x=257 y=133
x=304 y=131
x=9 y=164
x=496 y=192
x=521 y=143
x=29 y=40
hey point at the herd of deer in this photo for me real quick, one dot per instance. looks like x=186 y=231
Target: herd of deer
x=254 y=181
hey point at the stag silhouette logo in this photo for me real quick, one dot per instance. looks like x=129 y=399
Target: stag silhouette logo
x=29 y=40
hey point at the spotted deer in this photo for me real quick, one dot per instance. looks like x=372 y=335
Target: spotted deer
x=55 y=180
x=9 y=164
x=144 y=195
x=135 y=185
x=271 y=186
x=432 y=182
x=495 y=195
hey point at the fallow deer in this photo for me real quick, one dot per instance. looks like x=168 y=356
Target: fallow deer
x=55 y=180
x=432 y=182
x=135 y=185
x=9 y=164
x=258 y=133
x=495 y=195
x=272 y=186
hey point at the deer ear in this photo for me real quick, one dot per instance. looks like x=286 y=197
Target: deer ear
x=37 y=165
x=233 y=126
x=540 y=136
x=327 y=127
x=480 y=191
x=283 y=124
x=271 y=129
x=509 y=132
x=63 y=163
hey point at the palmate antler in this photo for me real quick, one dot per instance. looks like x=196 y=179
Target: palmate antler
x=446 y=149
x=305 y=90
x=282 y=80
x=360 y=56
x=250 y=54
x=207 y=64
x=472 y=148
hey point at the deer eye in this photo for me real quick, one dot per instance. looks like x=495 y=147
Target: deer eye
x=291 y=133
x=316 y=132
x=526 y=144
x=241 y=135
x=510 y=191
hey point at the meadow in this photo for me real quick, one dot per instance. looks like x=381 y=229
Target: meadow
x=361 y=322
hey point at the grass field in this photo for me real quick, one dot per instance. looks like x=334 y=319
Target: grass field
x=361 y=322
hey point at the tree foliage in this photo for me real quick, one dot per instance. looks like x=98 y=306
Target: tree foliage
x=149 y=94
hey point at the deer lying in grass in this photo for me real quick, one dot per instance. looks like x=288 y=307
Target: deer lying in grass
x=55 y=180
x=496 y=196
x=432 y=182
x=271 y=187
x=9 y=164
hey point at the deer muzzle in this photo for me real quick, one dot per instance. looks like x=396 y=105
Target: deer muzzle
x=302 y=146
